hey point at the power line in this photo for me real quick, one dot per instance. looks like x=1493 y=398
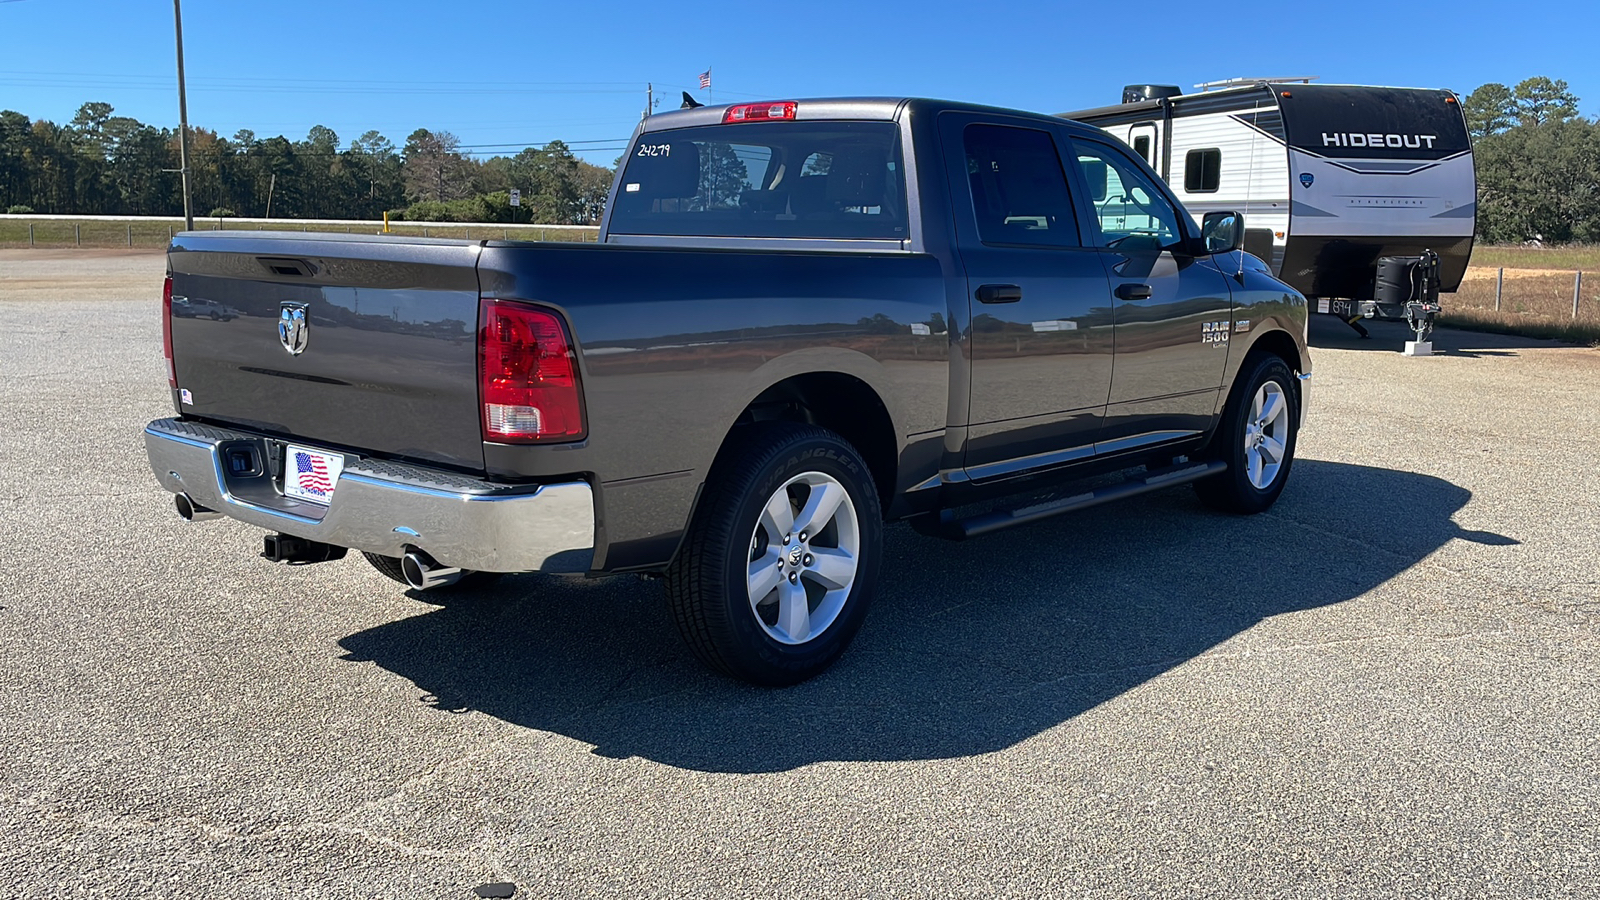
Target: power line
x=692 y=88
x=333 y=85
x=464 y=149
x=123 y=76
x=203 y=87
x=309 y=86
x=130 y=81
x=618 y=143
x=607 y=141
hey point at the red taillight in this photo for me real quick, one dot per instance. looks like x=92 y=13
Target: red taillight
x=166 y=330
x=527 y=375
x=756 y=112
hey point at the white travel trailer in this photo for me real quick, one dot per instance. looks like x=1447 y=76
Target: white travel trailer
x=1331 y=179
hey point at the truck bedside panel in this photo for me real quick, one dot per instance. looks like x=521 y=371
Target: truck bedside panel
x=675 y=344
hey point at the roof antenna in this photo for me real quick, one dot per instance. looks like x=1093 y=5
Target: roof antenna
x=689 y=102
x=1249 y=186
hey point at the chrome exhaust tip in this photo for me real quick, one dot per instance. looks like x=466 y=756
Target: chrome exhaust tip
x=423 y=573
x=191 y=511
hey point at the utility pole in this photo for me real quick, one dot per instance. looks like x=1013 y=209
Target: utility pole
x=271 y=186
x=649 y=99
x=183 y=124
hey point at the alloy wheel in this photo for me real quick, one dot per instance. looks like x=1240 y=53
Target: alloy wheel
x=804 y=554
x=1266 y=435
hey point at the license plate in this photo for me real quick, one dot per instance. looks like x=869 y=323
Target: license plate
x=311 y=474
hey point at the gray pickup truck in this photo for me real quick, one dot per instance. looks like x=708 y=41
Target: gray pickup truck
x=803 y=320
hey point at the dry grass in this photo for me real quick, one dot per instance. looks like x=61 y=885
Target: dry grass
x=1515 y=256
x=155 y=234
x=1474 y=319
x=1532 y=304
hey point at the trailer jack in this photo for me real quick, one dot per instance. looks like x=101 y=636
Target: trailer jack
x=1420 y=315
x=1411 y=283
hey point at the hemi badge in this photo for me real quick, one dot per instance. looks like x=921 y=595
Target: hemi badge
x=1241 y=326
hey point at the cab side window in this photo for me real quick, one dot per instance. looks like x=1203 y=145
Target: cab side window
x=1130 y=212
x=1019 y=190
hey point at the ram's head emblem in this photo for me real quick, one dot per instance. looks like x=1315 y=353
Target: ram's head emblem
x=294 y=329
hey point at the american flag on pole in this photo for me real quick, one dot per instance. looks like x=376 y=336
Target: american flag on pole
x=313 y=474
x=705 y=80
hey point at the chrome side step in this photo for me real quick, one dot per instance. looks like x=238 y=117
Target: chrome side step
x=1153 y=480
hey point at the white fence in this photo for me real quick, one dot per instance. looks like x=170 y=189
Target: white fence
x=231 y=220
x=27 y=230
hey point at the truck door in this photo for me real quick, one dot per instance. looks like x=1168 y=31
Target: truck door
x=1173 y=310
x=1040 y=342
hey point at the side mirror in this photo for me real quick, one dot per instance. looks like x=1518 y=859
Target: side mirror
x=1222 y=232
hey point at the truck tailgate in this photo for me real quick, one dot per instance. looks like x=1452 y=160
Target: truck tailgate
x=385 y=358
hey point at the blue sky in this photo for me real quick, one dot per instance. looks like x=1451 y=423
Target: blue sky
x=521 y=73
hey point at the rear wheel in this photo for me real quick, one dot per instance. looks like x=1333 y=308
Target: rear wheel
x=776 y=572
x=1256 y=438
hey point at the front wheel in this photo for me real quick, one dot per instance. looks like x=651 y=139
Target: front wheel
x=777 y=569
x=1256 y=438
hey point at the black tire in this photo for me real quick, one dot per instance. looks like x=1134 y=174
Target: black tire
x=1233 y=491
x=707 y=586
x=390 y=566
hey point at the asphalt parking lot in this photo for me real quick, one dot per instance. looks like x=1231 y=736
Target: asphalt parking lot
x=1386 y=686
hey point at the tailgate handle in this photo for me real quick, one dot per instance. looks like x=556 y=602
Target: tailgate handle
x=283 y=265
x=999 y=293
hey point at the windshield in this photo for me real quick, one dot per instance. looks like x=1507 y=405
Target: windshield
x=765 y=179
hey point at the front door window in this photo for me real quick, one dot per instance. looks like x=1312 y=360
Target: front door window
x=1130 y=212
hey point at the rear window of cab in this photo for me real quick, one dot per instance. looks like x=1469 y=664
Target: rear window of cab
x=808 y=179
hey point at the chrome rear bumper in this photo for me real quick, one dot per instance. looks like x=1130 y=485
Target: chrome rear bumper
x=383 y=507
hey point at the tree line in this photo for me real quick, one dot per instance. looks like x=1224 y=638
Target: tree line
x=1538 y=163
x=105 y=164
x=1538 y=167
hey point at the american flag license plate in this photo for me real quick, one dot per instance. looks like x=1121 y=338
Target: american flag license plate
x=310 y=474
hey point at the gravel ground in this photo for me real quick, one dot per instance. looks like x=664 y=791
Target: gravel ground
x=81 y=274
x=1386 y=686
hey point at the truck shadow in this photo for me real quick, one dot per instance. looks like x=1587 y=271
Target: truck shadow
x=1330 y=332
x=970 y=648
